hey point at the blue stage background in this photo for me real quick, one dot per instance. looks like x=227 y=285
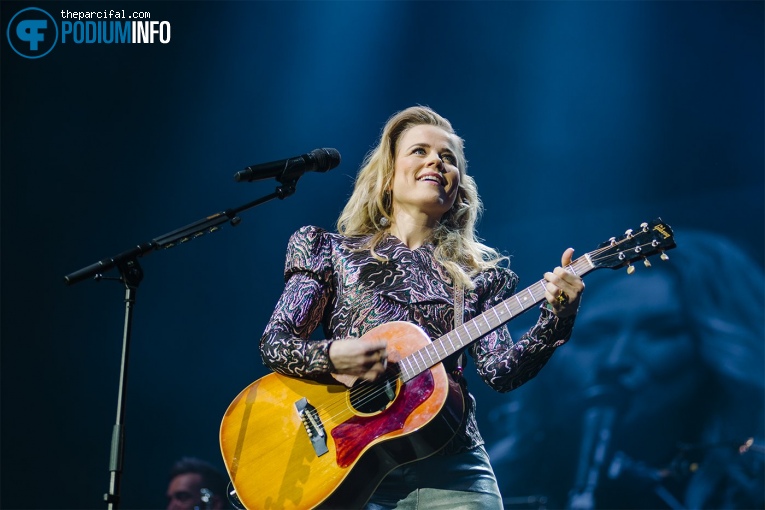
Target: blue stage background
x=581 y=119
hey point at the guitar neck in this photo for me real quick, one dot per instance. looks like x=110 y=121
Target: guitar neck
x=652 y=238
x=491 y=319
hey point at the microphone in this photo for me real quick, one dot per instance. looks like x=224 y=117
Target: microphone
x=598 y=422
x=288 y=170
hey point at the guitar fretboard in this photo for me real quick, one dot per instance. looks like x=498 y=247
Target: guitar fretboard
x=491 y=319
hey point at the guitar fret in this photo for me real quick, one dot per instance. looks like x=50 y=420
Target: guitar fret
x=488 y=324
x=456 y=331
x=430 y=355
x=476 y=332
x=435 y=353
x=404 y=370
x=533 y=297
x=423 y=360
x=415 y=365
x=423 y=352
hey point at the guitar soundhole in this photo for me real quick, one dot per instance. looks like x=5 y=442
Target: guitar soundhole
x=373 y=397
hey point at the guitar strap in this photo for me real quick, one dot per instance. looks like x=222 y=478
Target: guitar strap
x=459 y=315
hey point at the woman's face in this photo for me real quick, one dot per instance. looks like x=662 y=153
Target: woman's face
x=632 y=331
x=425 y=177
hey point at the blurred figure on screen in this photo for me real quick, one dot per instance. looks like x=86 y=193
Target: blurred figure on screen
x=658 y=401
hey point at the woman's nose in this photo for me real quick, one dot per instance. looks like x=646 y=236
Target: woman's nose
x=619 y=351
x=620 y=361
x=434 y=159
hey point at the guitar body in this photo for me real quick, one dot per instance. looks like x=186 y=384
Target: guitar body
x=295 y=443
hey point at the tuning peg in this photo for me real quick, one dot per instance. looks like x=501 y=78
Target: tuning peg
x=628 y=233
x=612 y=241
x=630 y=269
x=646 y=262
x=644 y=226
x=664 y=256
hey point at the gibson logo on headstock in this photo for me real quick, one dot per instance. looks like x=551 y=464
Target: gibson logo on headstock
x=662 y=230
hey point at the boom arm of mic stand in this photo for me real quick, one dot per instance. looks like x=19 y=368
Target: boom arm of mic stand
x=179 y=236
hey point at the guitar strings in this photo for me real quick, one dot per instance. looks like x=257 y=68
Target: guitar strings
x=370 y=391
x=375 y=389
x=358 y=395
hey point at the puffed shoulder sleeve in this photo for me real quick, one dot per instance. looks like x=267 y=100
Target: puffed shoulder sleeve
x=285 y=346
x=309 y=251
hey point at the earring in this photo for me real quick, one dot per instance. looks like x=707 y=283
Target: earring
x=384 y=222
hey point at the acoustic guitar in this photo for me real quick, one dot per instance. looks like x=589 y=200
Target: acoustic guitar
x=291 y=443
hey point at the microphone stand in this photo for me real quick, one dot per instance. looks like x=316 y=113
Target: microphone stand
x=131 y=275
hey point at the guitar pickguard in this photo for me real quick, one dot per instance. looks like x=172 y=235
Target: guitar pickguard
x=353 y=435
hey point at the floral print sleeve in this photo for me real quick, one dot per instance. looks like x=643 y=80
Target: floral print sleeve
x=503 y=364
x=285 y=346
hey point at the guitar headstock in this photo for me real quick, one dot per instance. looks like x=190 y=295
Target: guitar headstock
x=650 y=239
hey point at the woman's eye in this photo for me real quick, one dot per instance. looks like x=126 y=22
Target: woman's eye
x=449 y=158
x=418 y=150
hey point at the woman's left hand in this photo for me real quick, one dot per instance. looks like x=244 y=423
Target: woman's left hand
x=564 y=288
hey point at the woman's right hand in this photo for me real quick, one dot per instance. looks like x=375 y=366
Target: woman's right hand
x=365 y=359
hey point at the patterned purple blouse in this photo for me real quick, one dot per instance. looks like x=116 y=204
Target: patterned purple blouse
x=330 y=282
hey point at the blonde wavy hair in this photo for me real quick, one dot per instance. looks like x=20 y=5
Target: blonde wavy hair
x=457 y=247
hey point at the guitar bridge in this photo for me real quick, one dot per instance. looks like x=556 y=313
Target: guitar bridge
x=313 y=426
